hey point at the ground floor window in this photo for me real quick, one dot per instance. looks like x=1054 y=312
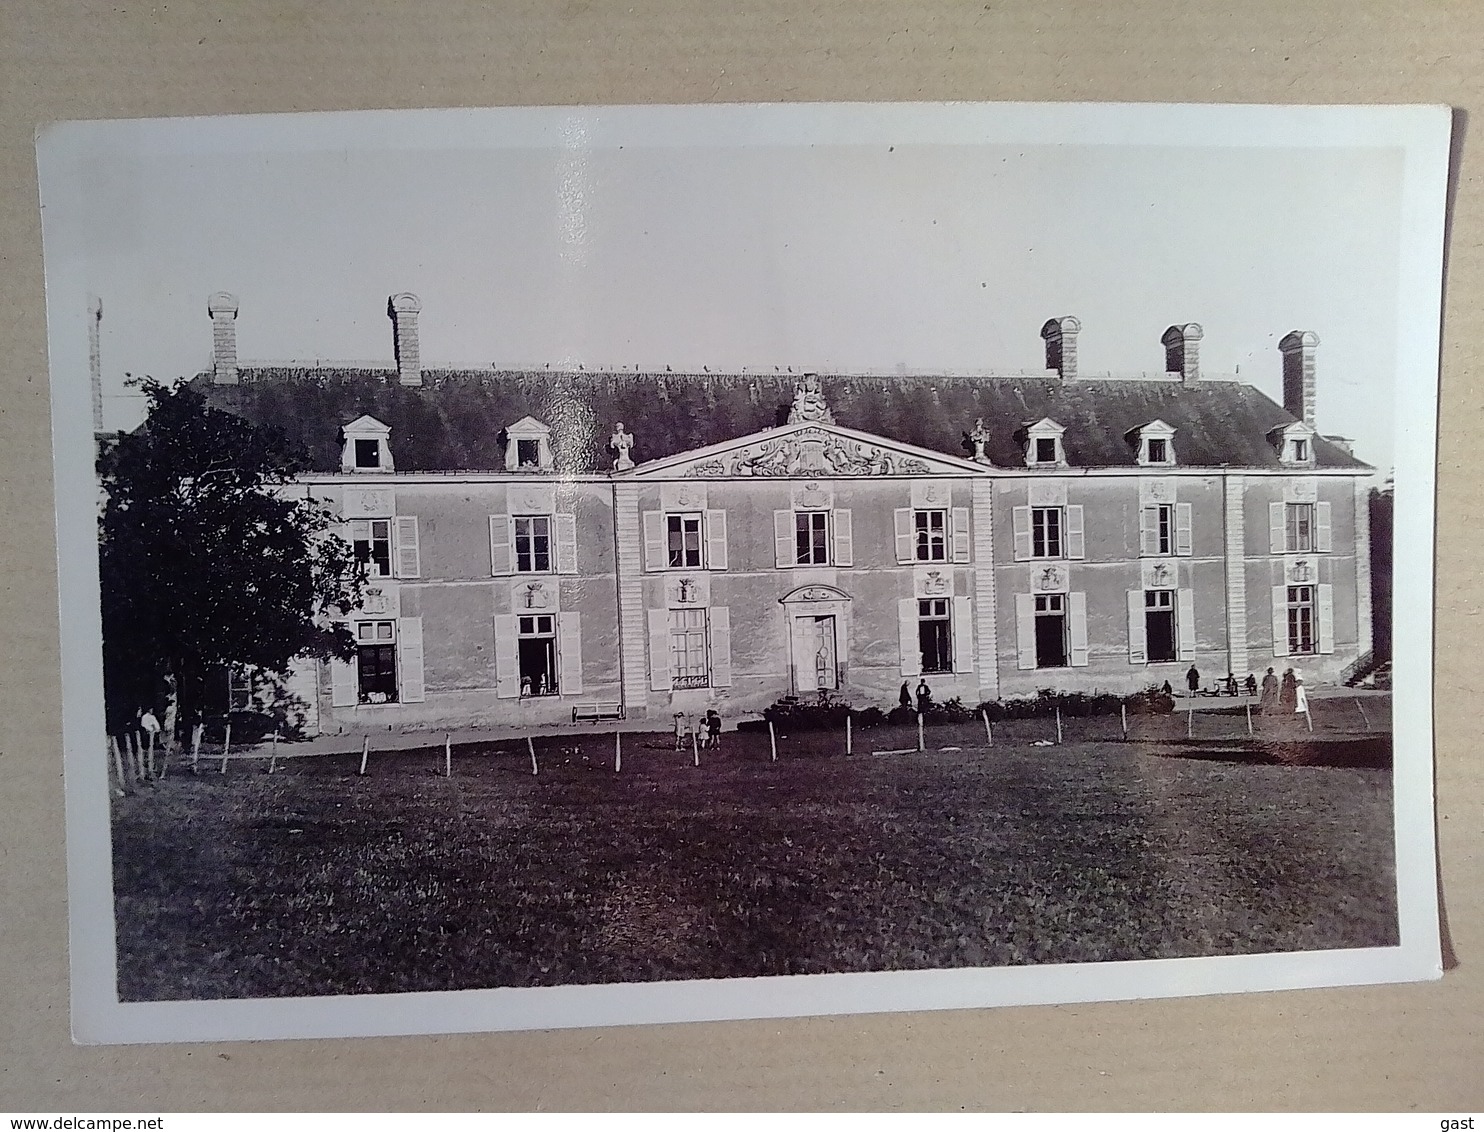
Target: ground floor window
x=536 y=654
x=1051 y=631
x=376 y=661
x=935 y=634
x=1301 y=635
x=1160 y=637
x=688 y=662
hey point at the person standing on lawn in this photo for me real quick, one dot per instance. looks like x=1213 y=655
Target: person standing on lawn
x=924 y=697
x=1288 y=692
x=1193 y=679
x=1300 y=697
x=682 y=730
x=906 y=696
x=1251 y=684
x=713 y=730
x=1268 y=703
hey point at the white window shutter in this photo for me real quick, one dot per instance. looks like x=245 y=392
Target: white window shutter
x=411 y=689
x=721 y=646
x=1076 y=544
x=660 y=679
x=409 y=557
x=566 y=543
x=902 y=524
x=343 y=692
x=963 y=635
x=1324 y=597
x=655 y=557
x=1138 y=636
x=716 y=540
x=1280 y=620
x=1025 y=630
x=507 y=666
x=785 y=553
x=502 y=552
x=1277 y=530
x=569 y=653
x=844 y=537
x=1185 y=622
x=1322 y=535
x=1021 y=522
x=1148 y=530
x=1184 y=517
x=961 y=534
x=908 y=641
x=1077 y=629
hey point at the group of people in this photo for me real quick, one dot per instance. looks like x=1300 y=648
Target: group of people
x=1275 y=696
x=707 y=730
x=924 y=697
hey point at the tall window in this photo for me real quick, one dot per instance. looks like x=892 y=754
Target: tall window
x=372 y=542
x=1159 y=521
x=1046 y=532
x=688 y=661
x=930 y=530
x=532 y=544
x=1300 y=451
x=812 y=537
x=1046 y=450
x=1300 y=528
x=1159 y=625
x=536 y=653
x=683 y=535
x=1159 y=450
x=1302 y=634
x=528 y=453
x=935 y=634
x=376 y=661
x=1051 y=631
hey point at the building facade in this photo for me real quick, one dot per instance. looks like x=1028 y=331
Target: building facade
x=548 y=547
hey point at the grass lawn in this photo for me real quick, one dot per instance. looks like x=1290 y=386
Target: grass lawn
x=316 y=881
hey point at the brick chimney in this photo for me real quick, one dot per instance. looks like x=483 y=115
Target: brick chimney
x=1061 y=346
x=223 y=308
x=1183 y=351
x=1298 y=373
x=403 y=310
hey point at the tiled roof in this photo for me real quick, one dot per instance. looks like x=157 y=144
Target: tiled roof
x=454 y=421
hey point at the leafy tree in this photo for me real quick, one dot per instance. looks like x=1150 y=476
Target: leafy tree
x=210 y=558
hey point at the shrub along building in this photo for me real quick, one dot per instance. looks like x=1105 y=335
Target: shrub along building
x=547 y=546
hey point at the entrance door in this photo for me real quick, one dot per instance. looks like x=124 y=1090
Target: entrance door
x=816 y=662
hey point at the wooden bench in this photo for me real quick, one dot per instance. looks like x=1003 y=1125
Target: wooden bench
x=598 y=709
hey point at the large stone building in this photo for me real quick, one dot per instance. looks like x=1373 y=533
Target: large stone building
x=645 y=543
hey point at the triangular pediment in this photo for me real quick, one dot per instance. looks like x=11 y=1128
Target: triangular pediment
x=805 y=450
x=365 y=425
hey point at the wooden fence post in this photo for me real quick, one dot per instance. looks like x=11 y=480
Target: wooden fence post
x=1309 y=719
x=197 y=730
x=988 y=731
x=1123 y=718
x=273 y=760
x=531 y=746
x=447 y=755
x=772 y=741
x=118 y=764
x=365 y=752
x=149 y=759
x=1190 y=720
x=1363 y=715
x=1249 y=720
x=1058 y=725
x=617 y=752
x=695 y=748
x=226 y=745
x=847 y=734
x=921 y=744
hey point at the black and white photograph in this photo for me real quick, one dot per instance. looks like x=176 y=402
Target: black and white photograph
x=555 y=567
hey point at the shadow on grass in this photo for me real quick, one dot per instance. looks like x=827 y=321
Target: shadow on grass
x=1373 y=752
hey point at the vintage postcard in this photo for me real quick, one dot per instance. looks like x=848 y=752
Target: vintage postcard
x=553 y=567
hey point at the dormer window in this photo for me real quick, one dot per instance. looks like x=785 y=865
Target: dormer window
x=1295 y=444
x=528 y=447
x=1154 y=444
x=1043 y=445
x=366 y=448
